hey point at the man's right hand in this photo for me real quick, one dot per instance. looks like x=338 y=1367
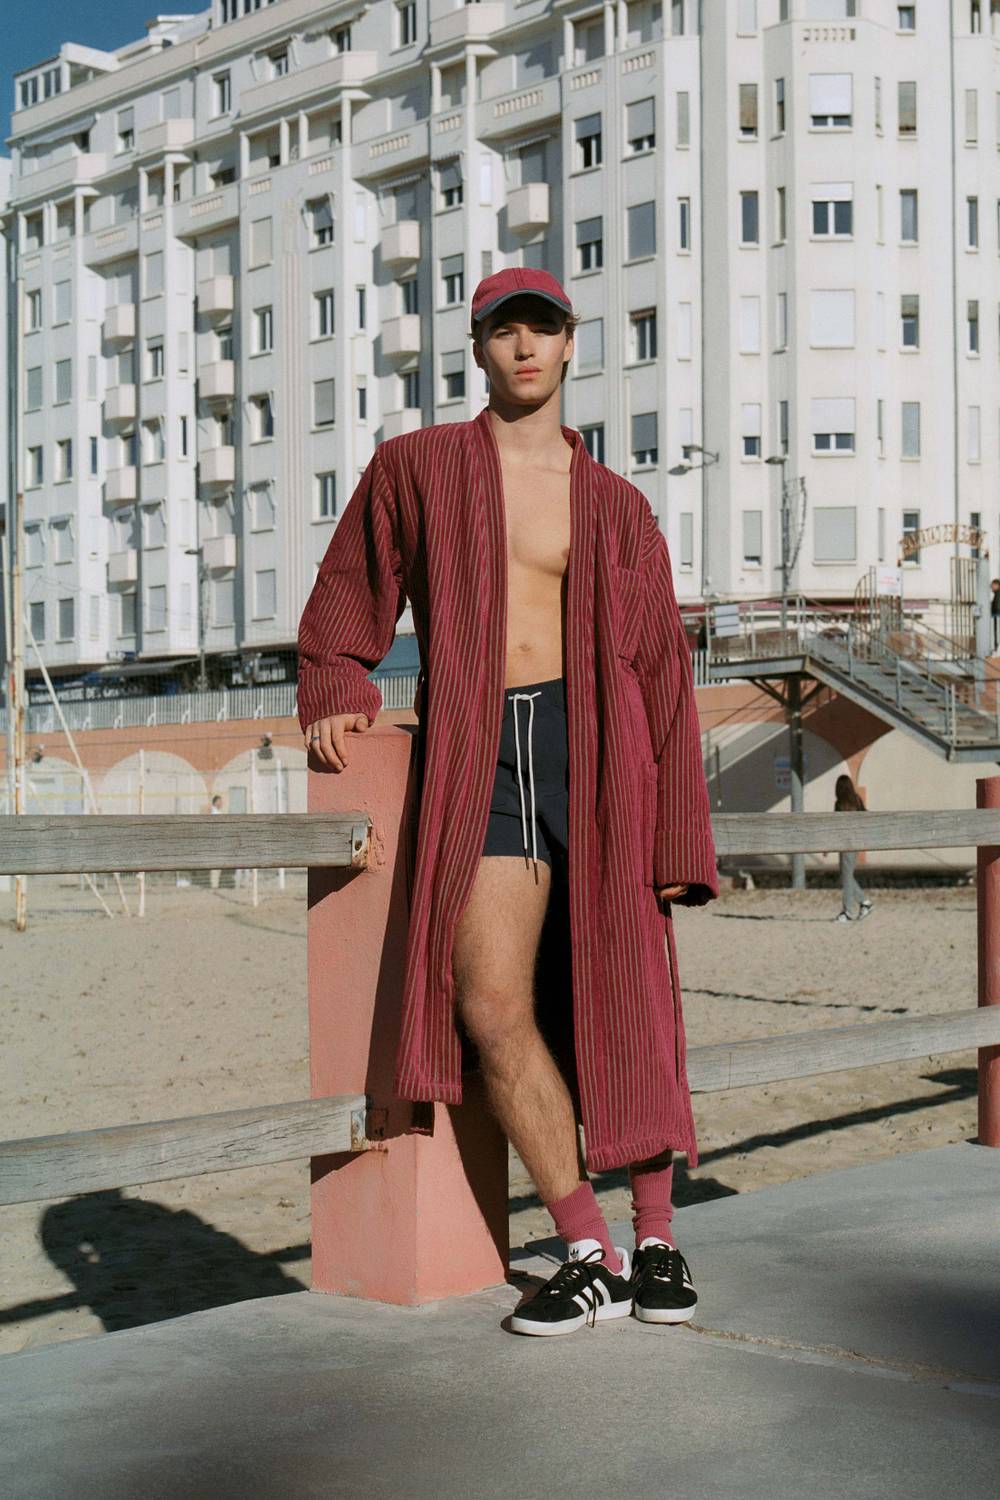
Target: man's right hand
x=330 y=747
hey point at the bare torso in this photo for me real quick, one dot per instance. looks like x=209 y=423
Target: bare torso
x=536 y=500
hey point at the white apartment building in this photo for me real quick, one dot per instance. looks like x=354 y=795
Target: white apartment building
x=247 y=243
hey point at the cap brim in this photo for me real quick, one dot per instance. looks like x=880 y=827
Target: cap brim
x=521 y=292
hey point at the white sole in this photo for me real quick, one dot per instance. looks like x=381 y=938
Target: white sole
x=611 y=1310
x=665 y=1314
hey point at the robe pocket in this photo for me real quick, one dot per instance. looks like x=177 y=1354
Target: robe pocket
x=649 y=786
x=628 y=610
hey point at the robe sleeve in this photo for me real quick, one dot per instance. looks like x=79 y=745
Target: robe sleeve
x=349 y=620
x=683 y=847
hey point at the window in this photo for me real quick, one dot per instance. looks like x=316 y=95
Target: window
x=832 y=210
x=748 y=111
x=326 y=495
x=94 y=457
x=906 y=17
x=641 y=236
x=278 y=63
x=908 y=215
x=906 y=108
x=128 y=449
x=221 y=94
x=33 y=388
x=62 y=302
x=64 y=458
x=323 y=314
x=753 y=538
x=262 y=510
x=684 y=223
x=170 y=104
x=408 y=295
x=589 y=345
x=971 y=116
x=453 y=374
x=588 y=40
x=33 y=310
x=781 y=319
x=153 y=273
x=153 y=442
x=154 y=525
x=154 y=359
x=972 y=326
x=453 y=279
x=833 y=425
x=830 y=106
x=184 y=436
x=64 y=380
x=972 y=223
x=263 y=328
x=587 y=131
x=265 y=580
x=360 y=308
x=644 y=334
x=831 y=319
x=156 y=607
x=406 y=23
x=36 y=619
x=263 y=418
x=411 y=389
x=34 y=231
x=450 y=184
x=749 y=218
x=323 y=403
x=779 y=106
x=640 y=125
x=644 y=440
x=687 y=541
x=749 y=325
x=750 y=429
x=260 y=242
x=126 y=129
x=683 y=340
x=65 y=618
x=834 y=533
x=974 y=446
x=911 y=523
x=910 y=434
x=36 y=466
x=590 y=244
x=593 y=440
x=683 y=118
x=342 y=39
x=222 y=600
x=34 y=538
x=909 y=315
x=224 y=341
x=362 y=401
x=781 y=219
x=321 y=221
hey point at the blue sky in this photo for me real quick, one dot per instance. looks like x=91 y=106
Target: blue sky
x=32 y=34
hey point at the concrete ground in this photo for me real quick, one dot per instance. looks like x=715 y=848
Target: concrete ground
x=847 y=1343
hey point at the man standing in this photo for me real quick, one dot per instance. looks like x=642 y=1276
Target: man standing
x=558 y=739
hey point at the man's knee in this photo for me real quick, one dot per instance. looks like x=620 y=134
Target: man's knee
x=494 y=1018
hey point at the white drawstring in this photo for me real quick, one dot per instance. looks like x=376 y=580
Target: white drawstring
x=531 y=774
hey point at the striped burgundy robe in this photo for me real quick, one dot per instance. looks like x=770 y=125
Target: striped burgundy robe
x=427 y=523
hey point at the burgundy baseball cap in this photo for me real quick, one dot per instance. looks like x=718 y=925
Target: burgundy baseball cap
x=515 y=281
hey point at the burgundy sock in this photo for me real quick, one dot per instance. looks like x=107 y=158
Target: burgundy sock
x=578 y=1217
x=652 y=1209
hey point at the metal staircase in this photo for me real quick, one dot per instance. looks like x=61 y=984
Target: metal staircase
x=896 y=667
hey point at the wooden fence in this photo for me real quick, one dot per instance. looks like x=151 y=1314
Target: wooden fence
x=49 y=1167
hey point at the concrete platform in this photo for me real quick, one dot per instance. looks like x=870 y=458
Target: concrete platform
x=847 y=1344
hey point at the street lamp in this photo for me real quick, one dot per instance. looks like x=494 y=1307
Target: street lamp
x=202 y=678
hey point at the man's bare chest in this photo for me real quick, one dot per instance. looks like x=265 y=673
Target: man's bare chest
x=538 y=522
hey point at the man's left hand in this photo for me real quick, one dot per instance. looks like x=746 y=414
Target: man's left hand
x=671 y=892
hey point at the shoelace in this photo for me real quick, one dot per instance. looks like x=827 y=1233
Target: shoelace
x=567 y=1281
x=665 y=1262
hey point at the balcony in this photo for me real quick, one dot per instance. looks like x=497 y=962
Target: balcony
x=195 y=216
x=472 y=23
x=111 y=244
x=401 y=245
x=217 y=382
x=511 y=112
x=119 y=323
x=401 y=336
x=123 y=568
x=528 y=208
x=169 y=135
x=75 y=171
x=346 y=70
x=217 y=466
x=219 y=552
x=215 y=296
x=119 y=485
x=409 y=419
x=119 y=403
x=408 y=146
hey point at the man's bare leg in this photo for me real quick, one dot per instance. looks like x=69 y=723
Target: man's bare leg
x=493 y=960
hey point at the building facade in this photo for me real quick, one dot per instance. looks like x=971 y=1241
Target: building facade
x=246 y=244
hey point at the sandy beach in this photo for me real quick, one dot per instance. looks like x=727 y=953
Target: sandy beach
x=200 y=1006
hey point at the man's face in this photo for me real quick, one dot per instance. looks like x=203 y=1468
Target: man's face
x=522 y=348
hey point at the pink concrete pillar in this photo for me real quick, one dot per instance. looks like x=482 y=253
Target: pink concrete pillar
x=988 y=925
x=426 y=1216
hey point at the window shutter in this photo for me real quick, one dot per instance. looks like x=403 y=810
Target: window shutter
x=830 y=93
x=833 y=533
x=587 y=230
x=587 y=125
x=641 y=118
x=453 y=362
x=643 y=431
x=641 y=230
x=832 y=414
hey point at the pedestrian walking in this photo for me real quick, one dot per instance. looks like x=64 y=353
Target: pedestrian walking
x=214 y=875
x=849 y=799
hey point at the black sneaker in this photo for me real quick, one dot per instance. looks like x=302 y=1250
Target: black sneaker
x=581 y=1291
x=661 y=1285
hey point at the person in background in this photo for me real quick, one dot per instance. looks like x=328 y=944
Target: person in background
x=848 y=799
x=995 y=612
x=214 y=875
